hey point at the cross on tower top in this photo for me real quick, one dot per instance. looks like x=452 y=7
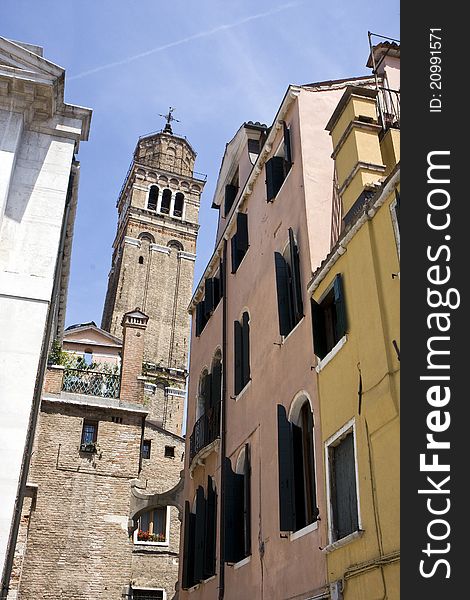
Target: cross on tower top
x=169 y=118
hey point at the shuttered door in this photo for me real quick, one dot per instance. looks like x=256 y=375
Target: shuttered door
x=283 y=295
x=287 y=148
x=211 y=531
x=296 y=281
x=274 y=176
x=238 y=344
x=230 y=195
x=188 y=548
x=199 y=535
x=286 y=472
x=245 y=349
x=340 y=307
x=233 y=521
x=247 y=501
x=344 y=479
x=318 y=330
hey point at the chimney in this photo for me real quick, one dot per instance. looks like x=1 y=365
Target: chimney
x=355 y=131
x=134 y=324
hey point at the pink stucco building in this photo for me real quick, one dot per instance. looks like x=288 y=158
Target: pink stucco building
x=252 y=398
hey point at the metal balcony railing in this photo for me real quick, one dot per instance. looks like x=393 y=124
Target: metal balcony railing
x=205 y=430
x=388 y=102
x=91 y=383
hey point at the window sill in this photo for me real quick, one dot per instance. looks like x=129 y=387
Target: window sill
x=331 y=354
x=343 y=541
x=304 y=531
x=242 y=393
x=160 y=544
x=211 y=578
x=286 y=337
x=241 y=563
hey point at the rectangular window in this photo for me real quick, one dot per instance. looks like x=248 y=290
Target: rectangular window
x=147 y=594
x=237 y=525
x=344 y=514
x=152 y=527
x=89 y=435
x=146 y=447
x=241 y=353
x=169 y=451
x=278 y=167
x=239 y=241
x=329 y=320
x=289 y=289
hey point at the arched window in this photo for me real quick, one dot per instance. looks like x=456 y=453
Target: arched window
x=141 y=260
x=153 y=198
x=153 y=527
x=297 y=490
x=179 y=203
x=166 y=202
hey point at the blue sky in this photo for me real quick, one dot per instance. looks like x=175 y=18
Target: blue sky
x=219 y=62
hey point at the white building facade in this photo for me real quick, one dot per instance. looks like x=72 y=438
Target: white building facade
x=39 y=137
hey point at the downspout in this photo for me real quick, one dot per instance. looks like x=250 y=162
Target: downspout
x=223 y=428
x=36 y=403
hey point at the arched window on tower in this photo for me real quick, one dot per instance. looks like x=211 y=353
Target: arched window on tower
x=179 y=203
x=153 y=198
x=141 y=260
x=166 y=201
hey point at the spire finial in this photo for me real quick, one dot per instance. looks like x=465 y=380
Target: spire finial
x=169 y=118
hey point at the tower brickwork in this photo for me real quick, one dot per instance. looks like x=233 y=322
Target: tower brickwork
x=153 y=264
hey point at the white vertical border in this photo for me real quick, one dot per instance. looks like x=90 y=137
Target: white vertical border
x=336 y=437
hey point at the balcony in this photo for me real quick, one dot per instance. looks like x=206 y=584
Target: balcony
x=388 y=103
x=205 y=431
x=91 y=383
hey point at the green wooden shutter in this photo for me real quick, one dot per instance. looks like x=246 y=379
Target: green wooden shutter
x=211 y=531
x=340 y=307
x=207 y=392
x=199 y=534
x=299 y=480
x=286 y=472
x=200 y=318
x=287 y=148
x=234 y=253
x=345 y=494
x=245 y=349
x=283 y=295
x=296 y=281
x=319 y=333
x=216 y=383
x=238 y=345
x=230 y=195
x=209 y=296
x=233 y=518
x=247 y=502
x=274 y=176
x=188 y=548
x=242 y=233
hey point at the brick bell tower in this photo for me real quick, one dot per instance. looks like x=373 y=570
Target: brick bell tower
x=153 y=263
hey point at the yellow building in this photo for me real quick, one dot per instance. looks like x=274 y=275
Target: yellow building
x=355 y=314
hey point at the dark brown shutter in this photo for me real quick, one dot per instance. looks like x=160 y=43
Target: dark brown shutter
x=283 y=295
x=318 y=327
x=230 y=195
x=287 y=148
x=344 y=488
x=199 y=535
x=211 y=531
x=233 y=521
x=296 y=281
x=216 y=383
x=188 y=548
x=247 y=502
x=200 y=317
x=217 y=291
x=207 y=392
x=340 y=307
x=274 y=176
x=234 y=253
x=245 y=349
x=238 y=345
x=153 y=198
x=299 y=481
x=242 y=232
x=286 y=472
x=209 y=296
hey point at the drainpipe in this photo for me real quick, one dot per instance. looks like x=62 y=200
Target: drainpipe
x=223 y=428
x=36 y=403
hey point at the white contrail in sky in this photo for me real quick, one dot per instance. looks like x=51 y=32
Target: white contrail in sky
x=185 y=40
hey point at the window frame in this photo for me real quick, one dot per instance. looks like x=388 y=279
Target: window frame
x=138 y=542
x=88 y=422
x=333 y=441
x=153 y=185
x=144 y=589
x=336 y=285
x=149 y=442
